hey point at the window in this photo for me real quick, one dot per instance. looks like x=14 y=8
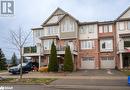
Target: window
x=91 y=29
x=68 y=26
x=129 y=25
x=103 y=45
x=110 y=28
x=126 y=43
x=87 y=44
x=47 y=44
x=105 y=28
x=52 y=30
x=49 y=30
x=82 y=30
x=107 y=58
x=100 y=29
x=37 y=33
x=121 y=26
x=106 y=45
x=88 y=58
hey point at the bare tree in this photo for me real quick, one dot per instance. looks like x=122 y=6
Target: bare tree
x=19 y=40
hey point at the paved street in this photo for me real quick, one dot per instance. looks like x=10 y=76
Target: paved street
x=68 y=84
x=81 y=80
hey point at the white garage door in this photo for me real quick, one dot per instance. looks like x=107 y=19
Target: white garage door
x=107 y=62
x=88 y=63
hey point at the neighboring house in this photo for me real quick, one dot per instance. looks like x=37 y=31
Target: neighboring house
x=94 y=45
x=123 y=39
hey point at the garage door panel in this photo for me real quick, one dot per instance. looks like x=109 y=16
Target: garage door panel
x=87 y=63
x=107 y=63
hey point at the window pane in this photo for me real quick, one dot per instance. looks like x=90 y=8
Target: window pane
x=100 y=29
x=103 y=45
x=90 y=28
x=82 y=29
x=110 y=28
x=87 y=44
x=121 y=26
x=126 y=43
x=129 y=25
x=105 y=28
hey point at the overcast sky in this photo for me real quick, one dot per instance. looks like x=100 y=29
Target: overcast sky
x=32 y=13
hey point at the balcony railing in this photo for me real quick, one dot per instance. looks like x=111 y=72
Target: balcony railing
x=62 y=48
x=31 y=49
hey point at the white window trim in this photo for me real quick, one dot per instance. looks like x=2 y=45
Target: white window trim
x=108 y=47
x=87 y=44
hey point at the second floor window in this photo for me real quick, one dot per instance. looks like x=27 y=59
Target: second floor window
x=126 y=43
x=47 y=44
x=106 y=45
x=52 y=30
x=87 y=44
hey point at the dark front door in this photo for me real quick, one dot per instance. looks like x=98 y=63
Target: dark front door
x=126 y=60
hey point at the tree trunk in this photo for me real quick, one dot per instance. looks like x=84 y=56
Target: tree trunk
x=21 y=61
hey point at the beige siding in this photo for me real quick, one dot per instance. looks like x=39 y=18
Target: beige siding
x=126 y=15
x=56 y=17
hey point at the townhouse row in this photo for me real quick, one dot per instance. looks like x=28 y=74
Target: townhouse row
x=94 y=45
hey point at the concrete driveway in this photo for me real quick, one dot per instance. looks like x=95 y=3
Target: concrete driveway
x=105 y=72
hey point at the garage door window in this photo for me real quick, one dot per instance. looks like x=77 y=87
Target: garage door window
x=106 y=58
x=88 y=59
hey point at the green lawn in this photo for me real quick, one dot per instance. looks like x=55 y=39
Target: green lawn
x=126 y=72
x=28 y=81
x=3 y=71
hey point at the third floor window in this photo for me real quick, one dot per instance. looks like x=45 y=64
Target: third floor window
x=105 y=28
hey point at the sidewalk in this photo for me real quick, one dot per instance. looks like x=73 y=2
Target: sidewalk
x=68 y=77
x=87 y=74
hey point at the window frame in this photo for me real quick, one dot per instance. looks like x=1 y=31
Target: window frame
x=119 y=23
x=90 y=29
x=128 y=25
x=87 y=44
x=108 y=47
x=101 y=29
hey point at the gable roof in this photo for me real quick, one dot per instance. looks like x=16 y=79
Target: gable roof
x=65 y=13
x=123 y=13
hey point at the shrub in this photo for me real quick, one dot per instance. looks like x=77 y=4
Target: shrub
x=68 y=61
x=53 y=61
x=43 y=69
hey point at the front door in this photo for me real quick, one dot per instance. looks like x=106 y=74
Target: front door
x=126 y=60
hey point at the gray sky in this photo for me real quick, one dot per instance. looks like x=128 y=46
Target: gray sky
x=32 y=13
